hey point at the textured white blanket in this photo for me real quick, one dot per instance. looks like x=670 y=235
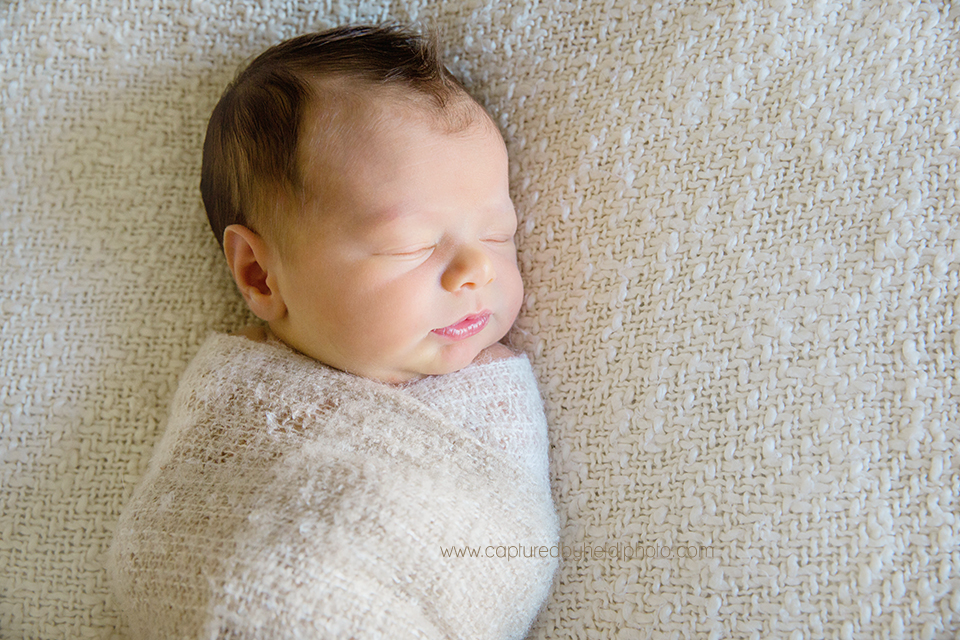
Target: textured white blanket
x=739 y=235
x=290 y=500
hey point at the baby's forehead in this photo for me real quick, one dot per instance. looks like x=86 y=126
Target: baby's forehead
x=360 y=158
x=344 y=123
x=340 y=106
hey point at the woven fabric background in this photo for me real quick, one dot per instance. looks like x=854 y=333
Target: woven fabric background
x=739 y=234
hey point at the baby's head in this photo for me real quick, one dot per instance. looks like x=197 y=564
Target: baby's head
x=361 y=198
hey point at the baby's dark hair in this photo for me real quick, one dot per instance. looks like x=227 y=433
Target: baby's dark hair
x=250 y=153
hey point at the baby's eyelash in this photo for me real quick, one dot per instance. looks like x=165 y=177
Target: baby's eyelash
x=412 y=253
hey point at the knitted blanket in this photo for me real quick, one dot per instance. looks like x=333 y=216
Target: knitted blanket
x=739 y=230
x=290 y=500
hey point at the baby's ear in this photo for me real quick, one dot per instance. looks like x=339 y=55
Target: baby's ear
x=253 y=266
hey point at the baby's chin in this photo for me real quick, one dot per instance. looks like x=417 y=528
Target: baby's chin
x=444 y=359
x=401 y=376
x=450 y=359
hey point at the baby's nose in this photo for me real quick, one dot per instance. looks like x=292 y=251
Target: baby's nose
x=470 y=268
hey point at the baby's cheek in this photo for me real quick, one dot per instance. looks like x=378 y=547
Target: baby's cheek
x=515 y=294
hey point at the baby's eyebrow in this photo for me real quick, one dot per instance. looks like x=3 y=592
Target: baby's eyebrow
x=386 y=216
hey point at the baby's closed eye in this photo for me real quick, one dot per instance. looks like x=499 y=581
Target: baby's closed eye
x=408 y=252
x=413 y=251
x=499 y=239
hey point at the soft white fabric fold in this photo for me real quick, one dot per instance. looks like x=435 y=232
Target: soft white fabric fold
x=290 y=500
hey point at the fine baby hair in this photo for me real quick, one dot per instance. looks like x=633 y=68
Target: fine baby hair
x=250 y=154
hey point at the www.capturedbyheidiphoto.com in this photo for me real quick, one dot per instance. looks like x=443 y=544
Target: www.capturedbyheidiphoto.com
x=618 y=551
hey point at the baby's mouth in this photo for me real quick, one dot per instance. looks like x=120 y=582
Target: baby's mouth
x=469 y=326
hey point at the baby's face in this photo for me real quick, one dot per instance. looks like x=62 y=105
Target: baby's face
x=409 y=268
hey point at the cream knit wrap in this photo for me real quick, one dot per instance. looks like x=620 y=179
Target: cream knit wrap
x=290 y=500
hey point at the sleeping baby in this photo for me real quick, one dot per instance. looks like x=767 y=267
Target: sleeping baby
x=347 y=470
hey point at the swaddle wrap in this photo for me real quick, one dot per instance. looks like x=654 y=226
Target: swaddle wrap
x=290 y=500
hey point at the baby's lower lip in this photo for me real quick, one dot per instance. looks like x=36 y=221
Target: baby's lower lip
x=469 y=326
